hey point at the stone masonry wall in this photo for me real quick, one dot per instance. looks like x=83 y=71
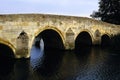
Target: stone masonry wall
x=68 y=28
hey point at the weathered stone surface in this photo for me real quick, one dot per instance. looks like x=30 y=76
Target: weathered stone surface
x=68 y=27
x=1 y=27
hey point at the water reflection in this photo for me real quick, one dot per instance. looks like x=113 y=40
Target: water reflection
x=36 y=57
x=6 y=69
x=90 y=69
x=84 y=64
x=21 y=70
x=51 y=63
x=101 y=66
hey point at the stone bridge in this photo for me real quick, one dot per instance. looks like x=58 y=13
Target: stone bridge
x=19 y=31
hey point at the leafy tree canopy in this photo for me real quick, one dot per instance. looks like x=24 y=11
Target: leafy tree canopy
x=109 y=11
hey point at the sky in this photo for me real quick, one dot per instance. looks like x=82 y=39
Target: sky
x=59 y=7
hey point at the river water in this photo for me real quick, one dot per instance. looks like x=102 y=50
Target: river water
x=84 y=64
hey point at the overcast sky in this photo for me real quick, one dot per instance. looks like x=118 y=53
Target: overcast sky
x=60 y=7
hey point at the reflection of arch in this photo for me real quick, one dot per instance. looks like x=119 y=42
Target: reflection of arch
x=7 y=43
x=84 y=39
x=51 y=38
x=105 y=40
x=51 y=59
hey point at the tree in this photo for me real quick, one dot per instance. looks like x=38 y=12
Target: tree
x=109 y=11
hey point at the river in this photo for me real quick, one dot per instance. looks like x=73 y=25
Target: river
x=85 y=64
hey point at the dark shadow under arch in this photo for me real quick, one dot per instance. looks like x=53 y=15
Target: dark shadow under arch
x=83 y=40
x=52 y=40
x=5 y=51
x=51 y=63
x=105 y=41
x=115 y=42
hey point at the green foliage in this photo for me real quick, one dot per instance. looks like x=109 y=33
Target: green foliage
x=109 y=11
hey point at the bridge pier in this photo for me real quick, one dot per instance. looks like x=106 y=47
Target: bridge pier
x=69 y=44
x=97 y=41
x=22 y=50
x=22 y=53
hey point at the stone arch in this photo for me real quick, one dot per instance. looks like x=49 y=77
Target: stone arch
x=49 y=28
x=52 y=28
x=22 y=44
x=83 y=39
x=9 y=45
x=86 y=30
x=105 y=40
x=106 y=34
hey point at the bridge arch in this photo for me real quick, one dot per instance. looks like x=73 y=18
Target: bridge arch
x=55 y=33
x=8 y=45
x=83 y=39
x=85 y=30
